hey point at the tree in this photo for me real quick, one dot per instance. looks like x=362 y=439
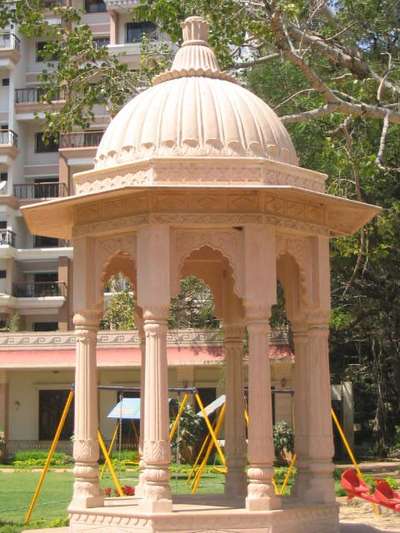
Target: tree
x=119 y=313
x=193 y=307
x=79 y=74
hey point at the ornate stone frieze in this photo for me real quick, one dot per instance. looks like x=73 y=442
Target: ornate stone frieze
x=181 y=338
x=221 y=171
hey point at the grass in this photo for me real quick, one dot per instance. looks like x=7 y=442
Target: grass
x=17 y=488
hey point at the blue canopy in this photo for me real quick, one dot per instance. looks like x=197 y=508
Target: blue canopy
x=127 y=408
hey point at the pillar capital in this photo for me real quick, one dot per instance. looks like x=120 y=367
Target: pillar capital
x=155 y=314
x=87 y=319
x=233 y=332
x=257 y=312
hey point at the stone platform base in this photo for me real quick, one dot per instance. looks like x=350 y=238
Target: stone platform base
x=206 y=514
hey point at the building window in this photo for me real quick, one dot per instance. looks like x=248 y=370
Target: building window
x=44 y=242
x=95 y=6
x=3 y=274
x=5 y=82
x=51 y=405
x=101 y=41
x=136 y=30
x=3 y=176
x=45 y=326
x=51 y=145
x=4 y=127
x=3 y=224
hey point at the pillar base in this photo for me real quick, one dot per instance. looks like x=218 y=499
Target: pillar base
x=263 y=504
x=87 y=502
x=156 y=506
x=236 y=484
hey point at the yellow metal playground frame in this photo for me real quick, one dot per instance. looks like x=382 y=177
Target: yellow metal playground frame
x=107 y=452
x=197 y=470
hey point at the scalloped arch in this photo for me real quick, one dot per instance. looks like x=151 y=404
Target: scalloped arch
x=114 y=255
x=297 y=250
x=228 y=242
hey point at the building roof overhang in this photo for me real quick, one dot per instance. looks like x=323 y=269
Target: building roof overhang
x=308 y=211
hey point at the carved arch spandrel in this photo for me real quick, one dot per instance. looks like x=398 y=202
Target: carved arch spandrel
x=298 y=250
x=115 y=255
x=228 y=242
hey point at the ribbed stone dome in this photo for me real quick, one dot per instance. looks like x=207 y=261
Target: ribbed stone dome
x=195 y=110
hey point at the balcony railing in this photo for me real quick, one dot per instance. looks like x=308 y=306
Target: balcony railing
x=81 y=139
x=8 y=137
x=31 y=95
x=10 y=41
x=39 y=289
x=7 y=237
x=48 y=4
x=37 y=191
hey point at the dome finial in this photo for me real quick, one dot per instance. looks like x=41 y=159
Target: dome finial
x=195 y=31
x=194 y=57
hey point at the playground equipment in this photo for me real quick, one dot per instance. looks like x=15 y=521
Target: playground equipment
x=117 y=412
x=383 y=494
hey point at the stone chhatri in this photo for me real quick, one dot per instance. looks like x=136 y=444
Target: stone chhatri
x=197 y=176
x=194 y=109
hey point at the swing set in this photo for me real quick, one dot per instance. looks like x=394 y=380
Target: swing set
x=107 y=452
x=209 y=443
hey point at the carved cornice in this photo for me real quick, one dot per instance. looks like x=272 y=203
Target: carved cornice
x=198 y=171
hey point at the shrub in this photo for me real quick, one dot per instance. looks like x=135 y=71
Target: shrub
x=37 y=458
x=283 y=441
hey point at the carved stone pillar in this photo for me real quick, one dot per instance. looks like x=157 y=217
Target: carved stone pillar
x=300 y=339
x=139 y=490
x=235 y=431
x=86 y=492
x=260 y=490
x=156 y=445
x=317 y=392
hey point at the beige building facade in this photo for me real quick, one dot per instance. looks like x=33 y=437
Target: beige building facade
x=35 y=271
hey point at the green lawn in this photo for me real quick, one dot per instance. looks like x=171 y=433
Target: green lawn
x=17 y=488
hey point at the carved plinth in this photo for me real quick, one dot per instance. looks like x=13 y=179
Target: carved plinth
x=206 y=514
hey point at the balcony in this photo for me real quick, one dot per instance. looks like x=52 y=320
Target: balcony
x=28 y=102
x=40 y=191
x=7 y=238
x=8 y=138
x=9 y=50
x=9 y=41
x=49 y=4
x=121 y=6
x=8 y=146
x=79 y=148
x=39 y=289
x=81 y=139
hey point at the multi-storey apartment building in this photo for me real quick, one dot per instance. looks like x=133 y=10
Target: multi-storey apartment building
x=35 y=271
